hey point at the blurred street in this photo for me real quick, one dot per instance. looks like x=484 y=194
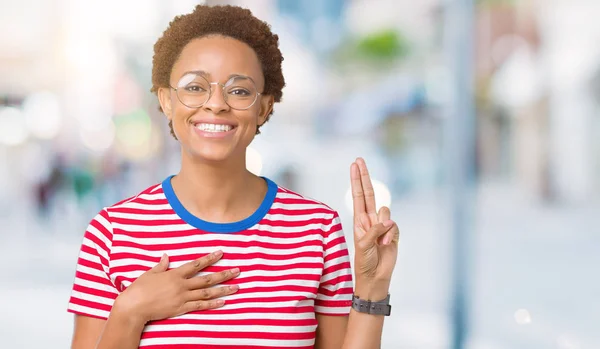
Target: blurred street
x=499 y=96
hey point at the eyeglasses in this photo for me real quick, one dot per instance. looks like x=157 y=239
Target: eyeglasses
x=239 y=92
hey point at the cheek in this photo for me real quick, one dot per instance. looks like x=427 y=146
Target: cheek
x=251 y=122
x=178 y=118
x=181 y=113
x=256 y=112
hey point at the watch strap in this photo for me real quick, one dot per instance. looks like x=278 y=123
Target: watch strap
x=382 y=307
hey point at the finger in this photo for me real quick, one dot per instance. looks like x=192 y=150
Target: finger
x=367 y=187
x=358 y=196
x=392 y=236
x=212 y=279
x=202 y=305
x=382 y=216
x=210 y=293
x=162 y=265
x=379 y=230
x=192 y=268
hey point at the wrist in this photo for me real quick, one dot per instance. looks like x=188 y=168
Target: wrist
x=372 y=290
x=126 y=312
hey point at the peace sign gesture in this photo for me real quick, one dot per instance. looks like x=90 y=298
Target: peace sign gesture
x=375 y=234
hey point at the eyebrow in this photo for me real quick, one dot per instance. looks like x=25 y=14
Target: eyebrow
x=197 y=72
x=205 y=74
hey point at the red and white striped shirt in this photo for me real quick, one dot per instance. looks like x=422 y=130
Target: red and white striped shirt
x=291 y=252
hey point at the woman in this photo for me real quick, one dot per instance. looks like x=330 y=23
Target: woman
x=216 y=257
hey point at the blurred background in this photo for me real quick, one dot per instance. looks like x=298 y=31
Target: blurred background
x=480 y=123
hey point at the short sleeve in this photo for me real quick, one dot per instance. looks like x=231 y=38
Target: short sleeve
x=93 y=292
x=335 y=290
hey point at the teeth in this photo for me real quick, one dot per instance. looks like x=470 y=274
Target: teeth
x=214 y=127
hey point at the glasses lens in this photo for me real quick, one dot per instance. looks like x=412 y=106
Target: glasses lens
x=240 y=92
x=193 y=90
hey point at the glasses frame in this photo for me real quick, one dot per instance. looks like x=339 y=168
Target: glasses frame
x=210 y=92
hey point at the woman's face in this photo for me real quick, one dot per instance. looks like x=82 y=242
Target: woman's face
x=215 y=131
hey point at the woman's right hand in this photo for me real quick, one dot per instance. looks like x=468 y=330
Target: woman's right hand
x=159 y=294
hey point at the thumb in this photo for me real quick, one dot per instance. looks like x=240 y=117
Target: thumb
x=163 y=265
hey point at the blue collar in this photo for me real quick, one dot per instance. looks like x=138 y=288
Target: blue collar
x=234 y=227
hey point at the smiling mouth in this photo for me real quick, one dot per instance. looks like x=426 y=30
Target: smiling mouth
x=214 y=128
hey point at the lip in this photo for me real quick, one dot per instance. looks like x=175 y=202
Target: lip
x=213 y=135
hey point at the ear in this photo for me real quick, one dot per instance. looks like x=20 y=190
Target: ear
x=164 y=98
x=266 y=106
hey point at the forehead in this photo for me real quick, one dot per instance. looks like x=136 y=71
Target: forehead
x=219 y=57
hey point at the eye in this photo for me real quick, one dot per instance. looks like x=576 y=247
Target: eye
x=195 y=88
x=239 y=92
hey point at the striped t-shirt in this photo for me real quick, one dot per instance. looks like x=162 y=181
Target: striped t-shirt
x=291 y=252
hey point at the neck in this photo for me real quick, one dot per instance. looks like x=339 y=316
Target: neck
x=219 y=192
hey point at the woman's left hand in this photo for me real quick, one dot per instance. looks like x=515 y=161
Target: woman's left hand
x=375 y=237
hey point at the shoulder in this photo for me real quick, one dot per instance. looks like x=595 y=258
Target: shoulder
x=152 y=195
x=313 y=211
x=100 y=228
x=291 y=200
x=150 y=198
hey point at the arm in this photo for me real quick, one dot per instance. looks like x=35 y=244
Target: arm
x=330 y=331
x=116 y=332
x=86 y=331
x=120 y=331
x=358 y=331
x=376 y=251
x=364 y=330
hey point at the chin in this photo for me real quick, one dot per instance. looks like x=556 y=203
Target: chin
x=211 y=153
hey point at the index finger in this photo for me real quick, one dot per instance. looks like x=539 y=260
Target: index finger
x=192 y=268
x=358 y=195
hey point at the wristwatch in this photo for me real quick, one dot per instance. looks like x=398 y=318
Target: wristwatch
x=382 y=307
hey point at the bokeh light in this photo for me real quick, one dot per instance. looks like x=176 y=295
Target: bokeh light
x=523 y=317
x=43 y=115
x=98 y=139
x=13 y=130
x=134 y=135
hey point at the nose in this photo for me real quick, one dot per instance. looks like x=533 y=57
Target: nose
x=216 y=102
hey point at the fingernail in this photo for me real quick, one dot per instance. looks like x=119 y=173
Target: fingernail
x=218 y=253
x=386 y=240
x=235 y=270
x=220 y=302
x=388 y=223
x=163 y=257
x=234 y=288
